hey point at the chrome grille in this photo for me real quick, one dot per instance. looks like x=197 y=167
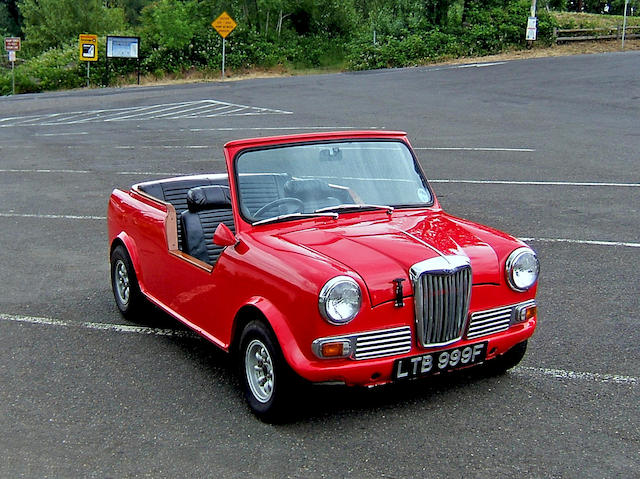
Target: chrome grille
x=488 y=322
x=377 y=344
x=442 y=289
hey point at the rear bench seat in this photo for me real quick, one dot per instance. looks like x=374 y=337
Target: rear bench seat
x=207 y=207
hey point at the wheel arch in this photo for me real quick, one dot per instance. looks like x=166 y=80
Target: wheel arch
x=124 y=240
x=263 y=310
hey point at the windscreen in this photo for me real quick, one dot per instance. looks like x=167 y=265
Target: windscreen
x=310 y=177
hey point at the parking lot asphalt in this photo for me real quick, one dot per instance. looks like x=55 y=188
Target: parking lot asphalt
x=545 y=149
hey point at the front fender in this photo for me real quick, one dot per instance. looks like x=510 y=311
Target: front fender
x=277 y=320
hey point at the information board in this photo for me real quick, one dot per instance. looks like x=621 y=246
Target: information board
x=123 y=47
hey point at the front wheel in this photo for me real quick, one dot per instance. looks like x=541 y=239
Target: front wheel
x=266 y=378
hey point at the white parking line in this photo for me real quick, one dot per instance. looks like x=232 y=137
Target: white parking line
x=281 y=128
x=586 y=242
x=537 y=183
x=576 y=375
x=190 y=109
x=118 y=328
x=63 y=134
x=50 y=217
x=446 y=148
x=124 y=328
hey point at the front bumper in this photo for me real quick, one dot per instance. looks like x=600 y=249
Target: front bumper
x=369 y=372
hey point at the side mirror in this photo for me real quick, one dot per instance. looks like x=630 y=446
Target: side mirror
x=223 y=236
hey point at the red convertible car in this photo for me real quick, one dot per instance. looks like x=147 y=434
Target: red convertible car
x=323 y=258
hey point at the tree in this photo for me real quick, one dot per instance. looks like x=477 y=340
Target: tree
x=51 y=23
x=10 y=19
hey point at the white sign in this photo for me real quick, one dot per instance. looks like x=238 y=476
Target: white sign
x=123 y=47
x=532 y=29
x=12 y=55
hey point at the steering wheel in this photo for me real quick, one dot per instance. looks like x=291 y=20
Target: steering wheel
x=281 y=206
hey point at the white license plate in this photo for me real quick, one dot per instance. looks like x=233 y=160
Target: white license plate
x=439 y=361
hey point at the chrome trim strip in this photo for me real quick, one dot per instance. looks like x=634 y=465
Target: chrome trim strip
x=496 y=320
x=370 y=344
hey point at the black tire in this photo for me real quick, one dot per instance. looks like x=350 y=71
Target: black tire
x=508 y=360
x=267 y=381
x=124 y=283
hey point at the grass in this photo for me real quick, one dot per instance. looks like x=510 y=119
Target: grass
x=568 y=20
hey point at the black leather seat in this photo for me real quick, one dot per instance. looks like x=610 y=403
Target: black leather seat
x=208 y=206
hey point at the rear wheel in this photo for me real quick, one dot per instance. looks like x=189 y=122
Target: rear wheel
x=266 y=378
x=124 y=283
x=508 y=360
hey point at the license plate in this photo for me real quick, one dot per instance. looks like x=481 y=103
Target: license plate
x=440 y=361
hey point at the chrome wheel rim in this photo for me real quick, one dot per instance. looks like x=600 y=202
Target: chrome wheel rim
x=121 y=280
x=259 y=370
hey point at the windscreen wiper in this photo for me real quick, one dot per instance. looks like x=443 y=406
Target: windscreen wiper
x=315 y=214
x=356 y=206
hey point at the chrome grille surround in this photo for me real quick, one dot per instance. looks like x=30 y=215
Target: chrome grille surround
x=497 y=320
x=372 y=344
x=442 y=292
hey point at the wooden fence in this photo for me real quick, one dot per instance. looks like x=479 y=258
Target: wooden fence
x=584 y=34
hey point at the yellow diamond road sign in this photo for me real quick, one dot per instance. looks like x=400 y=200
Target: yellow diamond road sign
x=224 y=24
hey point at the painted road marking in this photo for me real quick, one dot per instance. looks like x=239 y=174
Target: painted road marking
x=50 y=217
x=452 y=148
x=179 y=110
x=118 y=328
x=281 y=128
x=124 y=328
x=63 y=134
x=585 y=242
x=540 y=240
x=538 y=183
x=202 y=147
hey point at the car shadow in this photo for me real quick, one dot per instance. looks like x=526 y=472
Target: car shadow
x=314 y=402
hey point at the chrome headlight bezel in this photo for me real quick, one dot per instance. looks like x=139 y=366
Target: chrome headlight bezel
x=522 y=258
x=332 y=293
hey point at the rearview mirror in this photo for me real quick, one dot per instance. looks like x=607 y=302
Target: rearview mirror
x=223 y=236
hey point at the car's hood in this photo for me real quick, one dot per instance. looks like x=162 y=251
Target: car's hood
x=381 y=251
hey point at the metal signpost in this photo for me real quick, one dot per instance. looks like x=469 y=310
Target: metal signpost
x=224 y=25
x=532 y=24
x=123 y=47
x=88 y=50
x=12 y=45
x=624 y=25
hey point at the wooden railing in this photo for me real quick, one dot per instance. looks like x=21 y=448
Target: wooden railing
x=584 y=34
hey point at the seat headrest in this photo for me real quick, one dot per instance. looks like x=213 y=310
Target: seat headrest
x=308 y=188
x=208 y=198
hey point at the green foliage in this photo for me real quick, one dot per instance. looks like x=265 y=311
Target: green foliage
x=52 y=23
x=177 y=37
x=486 y=31
x=55 y=69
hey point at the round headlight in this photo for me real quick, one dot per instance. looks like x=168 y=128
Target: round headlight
x=340 y=300
x=522 y=269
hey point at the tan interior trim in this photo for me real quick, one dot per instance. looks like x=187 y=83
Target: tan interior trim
x=191 y=260
x=171 y=232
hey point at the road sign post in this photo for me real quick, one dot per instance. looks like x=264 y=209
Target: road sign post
x=224 y=25
x=88 y=50
x=12 y=45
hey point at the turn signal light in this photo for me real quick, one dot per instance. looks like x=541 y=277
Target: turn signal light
x=530 y=313
x=333 y=350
